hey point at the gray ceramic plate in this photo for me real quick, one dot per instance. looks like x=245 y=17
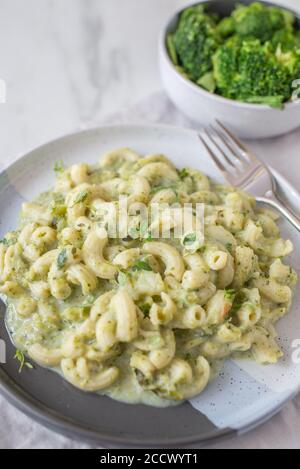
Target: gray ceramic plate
x=43 y=395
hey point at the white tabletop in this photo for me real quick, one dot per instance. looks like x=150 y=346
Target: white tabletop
x=68 y=64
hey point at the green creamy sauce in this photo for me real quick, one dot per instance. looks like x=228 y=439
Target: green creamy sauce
x=24 y=334
x=126 y=389
x=42 y=319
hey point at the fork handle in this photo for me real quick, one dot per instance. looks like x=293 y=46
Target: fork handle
x=271 y=199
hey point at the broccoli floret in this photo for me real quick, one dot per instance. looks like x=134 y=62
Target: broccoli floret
x=272 y=101
x=289 y=59
x=225 y=65
x=208 y=82
x=260 y=21
x=226 y=27
x=195 y=41
x=246 y=70
x=289 y=17
x=286 y=39
x=172 y=49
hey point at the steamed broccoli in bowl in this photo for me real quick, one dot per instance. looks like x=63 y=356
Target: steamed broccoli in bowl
x=252 y=56
x=195 y=41
x=251 y=72
x=260 y=21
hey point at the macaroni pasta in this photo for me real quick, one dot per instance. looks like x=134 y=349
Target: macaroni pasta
x=138 y=318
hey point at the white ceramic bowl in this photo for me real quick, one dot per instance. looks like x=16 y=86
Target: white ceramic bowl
x=251 y=121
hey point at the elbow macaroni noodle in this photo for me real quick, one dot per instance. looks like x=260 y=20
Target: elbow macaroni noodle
x=141 y=318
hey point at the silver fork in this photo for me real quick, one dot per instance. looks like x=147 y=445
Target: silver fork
x=241 y=168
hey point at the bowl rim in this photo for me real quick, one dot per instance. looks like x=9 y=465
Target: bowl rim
x=198 y=89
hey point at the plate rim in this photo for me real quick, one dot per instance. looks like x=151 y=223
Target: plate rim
x=42 y=414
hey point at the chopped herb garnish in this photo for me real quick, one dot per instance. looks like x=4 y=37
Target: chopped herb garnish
x=59 y=167
x=229 y=247
x=237 y=303
x=142 y=265
x=183 y=173
x=10 y=239
x=189 y=239
x=59 y=223
x=81 y=197
x=145 y=308
x=229 y=294
x=62 y=258
x=19 y=355
x=148 y=237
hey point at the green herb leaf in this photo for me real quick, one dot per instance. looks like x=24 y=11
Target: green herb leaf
x=10 y=239
x=81 y=197
x=229 y=247
x=19 y=355
x=149 y=237
x=238 y=302
x=142 y=265
x=145 y=308
x=59 y=223
x=59 y=167
x=62 y=258
x=229 y=294
x=189 y=239
x=183 y=173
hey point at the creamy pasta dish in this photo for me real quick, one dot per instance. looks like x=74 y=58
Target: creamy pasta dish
x=143 y=313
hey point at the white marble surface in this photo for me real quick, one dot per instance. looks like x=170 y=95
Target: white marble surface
x=68 y=64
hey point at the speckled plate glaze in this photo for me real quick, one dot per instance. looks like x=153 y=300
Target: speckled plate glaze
x=44 y=395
